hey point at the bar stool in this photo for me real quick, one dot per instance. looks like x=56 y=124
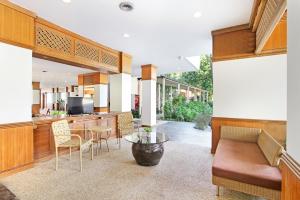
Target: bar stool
x=99 y=131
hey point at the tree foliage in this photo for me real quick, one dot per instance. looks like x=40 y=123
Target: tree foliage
x=201 y=78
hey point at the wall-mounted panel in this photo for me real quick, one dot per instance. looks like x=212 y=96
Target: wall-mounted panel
x=16 y=25
x=16 y=142
x=277 y=43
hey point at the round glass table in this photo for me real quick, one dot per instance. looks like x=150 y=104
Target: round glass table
x=147 y=148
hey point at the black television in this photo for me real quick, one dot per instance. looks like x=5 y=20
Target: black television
x=80 y=105
x=75 y=105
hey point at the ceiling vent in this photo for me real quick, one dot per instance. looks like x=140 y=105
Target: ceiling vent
x=126 y=6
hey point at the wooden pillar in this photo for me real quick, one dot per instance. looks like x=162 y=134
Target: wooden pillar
x=149 y=95
x=36 y=98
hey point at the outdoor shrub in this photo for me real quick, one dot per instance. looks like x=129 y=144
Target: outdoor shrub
x=168 y=110
x=202 y=121
x=181 y=110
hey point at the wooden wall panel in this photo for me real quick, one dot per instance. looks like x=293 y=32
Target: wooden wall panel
x=93 y=78
x=233 y=43
x=41 y=141
x=277 y=43
x=35 y=109
x=275 y=128
x=290 y=171
x=16 y=142
x=101 y=109
x=148 y=72
x=16 y=25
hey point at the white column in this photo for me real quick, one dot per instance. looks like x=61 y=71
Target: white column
x=140 y=96
x=158 y=97
x=171 y=93
x=195 y=95
x=101 y=95
x=149 y=103
x=80 y=91
x=188 y=94
x=163 y=93
x=149 y=95
x=178 y=89
x=120 y=92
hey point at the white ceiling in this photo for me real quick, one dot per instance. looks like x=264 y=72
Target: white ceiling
x=160 y=30
x=57 y=75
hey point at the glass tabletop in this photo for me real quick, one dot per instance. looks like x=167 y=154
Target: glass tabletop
x=147 y=138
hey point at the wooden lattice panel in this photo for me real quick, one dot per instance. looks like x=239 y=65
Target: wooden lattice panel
x=86 y=51
x=48 y=38
x=267 y=18
x=108 y=58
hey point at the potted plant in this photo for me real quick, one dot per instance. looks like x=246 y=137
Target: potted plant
x=148 y=131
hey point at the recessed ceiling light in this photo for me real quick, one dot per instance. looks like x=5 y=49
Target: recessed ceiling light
x=197 y=14
x=66 y=1
x=126 y=35
x=126 y=6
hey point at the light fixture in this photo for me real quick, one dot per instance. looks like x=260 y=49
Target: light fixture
x=44 y=71
x=197 y=14
x=126 y=35
x=126 y=6
x=66 y=1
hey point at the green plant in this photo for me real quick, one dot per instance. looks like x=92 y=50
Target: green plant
x=57 y=112
x=181 y=110
x=168 y=110
x=148 y=129
x=202 y=121
x=135 y=113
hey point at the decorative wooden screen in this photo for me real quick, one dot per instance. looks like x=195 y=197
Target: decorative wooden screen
x=58 y=43
x=110 y=59
x=271 y=16
x=86 y=51
x=52 y=39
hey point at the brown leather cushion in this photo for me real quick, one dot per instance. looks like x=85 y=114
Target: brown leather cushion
x=245 y=162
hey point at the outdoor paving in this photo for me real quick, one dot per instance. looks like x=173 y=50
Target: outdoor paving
x=184 y=132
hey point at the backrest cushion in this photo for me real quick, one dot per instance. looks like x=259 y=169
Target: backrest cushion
x=270 y=148
x=243 y=134
x=61 y=132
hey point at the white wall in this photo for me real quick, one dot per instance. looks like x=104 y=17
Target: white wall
x=293 y=133
x=15 y=84
x=120 y=92
x=149 y=103
x=252 y=88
